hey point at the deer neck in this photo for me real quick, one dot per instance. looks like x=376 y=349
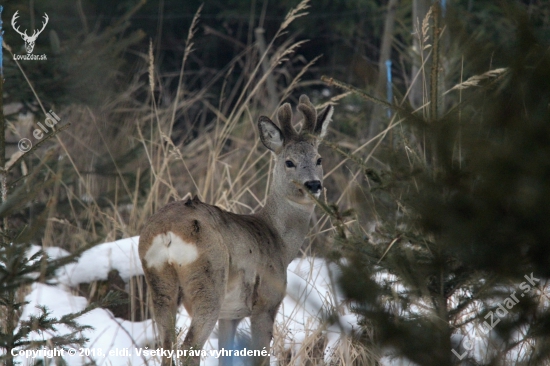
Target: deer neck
x=290 y=220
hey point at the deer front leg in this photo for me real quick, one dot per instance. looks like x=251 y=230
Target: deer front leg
x=261 y=328
x=226 y=340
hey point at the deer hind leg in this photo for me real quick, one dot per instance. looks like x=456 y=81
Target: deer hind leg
x=226 y=340
x=203 y=292
x=261 y=329
x=164 y=286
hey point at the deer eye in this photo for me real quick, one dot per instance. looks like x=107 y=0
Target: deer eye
x=290 y=164
x=319 y=161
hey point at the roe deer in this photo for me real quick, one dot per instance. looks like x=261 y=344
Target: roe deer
x=223 y=266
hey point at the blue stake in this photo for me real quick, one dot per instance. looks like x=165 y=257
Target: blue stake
x=1 y=43
x=443 y=6
x=389 y=91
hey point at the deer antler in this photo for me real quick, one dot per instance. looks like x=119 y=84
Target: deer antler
x=284 y=115
x=309 y=112
x=35 y=33
x=16 y=28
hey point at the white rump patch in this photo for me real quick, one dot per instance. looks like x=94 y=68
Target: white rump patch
x=170 y=248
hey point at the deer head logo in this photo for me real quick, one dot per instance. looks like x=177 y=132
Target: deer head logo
x=29 y=40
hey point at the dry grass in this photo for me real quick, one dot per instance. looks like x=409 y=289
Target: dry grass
x=179 y=145
x=203 y=141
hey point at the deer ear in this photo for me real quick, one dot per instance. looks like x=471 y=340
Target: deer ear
x=270 y=134
x=323 y=120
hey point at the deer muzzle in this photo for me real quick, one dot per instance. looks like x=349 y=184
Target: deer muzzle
x=313 y=186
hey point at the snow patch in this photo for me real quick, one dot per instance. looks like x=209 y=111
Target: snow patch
x=310 y=296
x=96 y=263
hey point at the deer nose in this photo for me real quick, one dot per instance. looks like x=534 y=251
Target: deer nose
x=314 y=186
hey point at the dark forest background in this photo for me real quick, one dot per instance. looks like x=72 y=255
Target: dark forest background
x=438 y=170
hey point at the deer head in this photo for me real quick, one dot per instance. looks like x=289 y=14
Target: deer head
x=29 y=40
x=297 y=162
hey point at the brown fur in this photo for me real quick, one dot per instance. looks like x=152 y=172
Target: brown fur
x=240 y=267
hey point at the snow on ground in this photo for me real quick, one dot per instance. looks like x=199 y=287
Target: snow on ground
x=114 y=341
x=96 y=263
